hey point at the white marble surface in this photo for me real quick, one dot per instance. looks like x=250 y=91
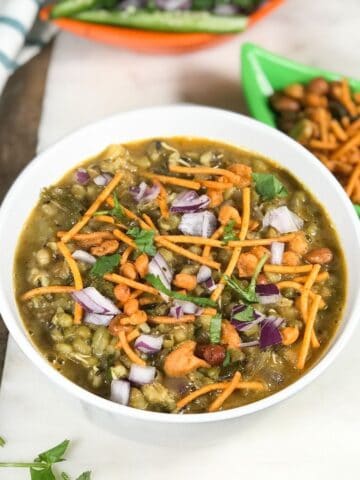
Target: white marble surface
x=313 y=435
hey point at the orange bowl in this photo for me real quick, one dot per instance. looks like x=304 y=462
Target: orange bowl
x=149 y=41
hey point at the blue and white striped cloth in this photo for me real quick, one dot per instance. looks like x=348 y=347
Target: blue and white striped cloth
x=21 y=35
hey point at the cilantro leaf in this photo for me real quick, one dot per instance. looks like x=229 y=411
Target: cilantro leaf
x=41 y=467
x=144 y=240
x=2 y=442
x=247 y=294
x=117 y=211
x=229 y=233
x=215 y=329
x=157 y=283
x=55 y=454
x=246 y=315
x=268 y=186
x=85 y=476
x=44 y=473
x=105 y=264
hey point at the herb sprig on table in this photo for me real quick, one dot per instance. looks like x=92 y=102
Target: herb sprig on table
x=42 y=467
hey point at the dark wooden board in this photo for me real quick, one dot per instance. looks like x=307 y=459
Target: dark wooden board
x=20 y=111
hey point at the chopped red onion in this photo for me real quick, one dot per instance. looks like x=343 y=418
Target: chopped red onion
x=176 y=311
x=283 y=219
x=209 y=284
x=268 y=293
x=94 y=302
x=189 y=202
x=103 y=179
x=159 y=267
x=141 y=375
x=204 y=274
x=120 y=391
x=201 y=224
x=97 y=319
x=144 y=193
x=81 y=176
x=82 y=256
x=242 y=326
x=148 y=343
x=270 y=334
x=277 y=252
x=188 y=308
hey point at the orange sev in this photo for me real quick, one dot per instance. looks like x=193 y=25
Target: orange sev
x=77 y=278
x=104 y=235
x=349 y=189
x=217 y=234
x=149 y=221
x=352 y=142
x=300 y=288
x=261 y=241
x=194 y=240
x=124 y=238
x=104 y=218
x=93 y=207
x=129 y=214
x=346 y=98
x=217 y=404
x=174 y=181
x=115 y=278
x=287 y=269
x=304 y=349
x=130 y=336
x=216 y=185
x=186 y=253
x=217 y=386
x=304 y=300
x=339 y=132
x=125 y=256
x=204 y=171
x=162 y=202
x=320 y=278
x=172 y=320
x=353 y=127
x=129 y=351
x=136 y=293
x=237 y=250
x=47 y=290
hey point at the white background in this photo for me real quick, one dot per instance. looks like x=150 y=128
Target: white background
x=311 y=436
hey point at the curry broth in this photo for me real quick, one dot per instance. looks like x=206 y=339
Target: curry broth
x=47 y=318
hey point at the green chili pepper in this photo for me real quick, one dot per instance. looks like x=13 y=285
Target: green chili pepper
x=179 y=21
x=71 y=7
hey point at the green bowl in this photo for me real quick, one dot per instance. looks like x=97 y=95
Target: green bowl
x=263 y=72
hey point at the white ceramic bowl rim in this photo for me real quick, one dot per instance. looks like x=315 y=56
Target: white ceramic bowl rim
x=168 y=121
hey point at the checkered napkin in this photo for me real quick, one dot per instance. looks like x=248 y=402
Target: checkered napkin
x=21 y=35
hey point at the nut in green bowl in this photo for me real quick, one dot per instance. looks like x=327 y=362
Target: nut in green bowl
x=264 y=73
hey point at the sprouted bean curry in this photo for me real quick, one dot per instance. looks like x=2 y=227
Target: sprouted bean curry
x=180 y=275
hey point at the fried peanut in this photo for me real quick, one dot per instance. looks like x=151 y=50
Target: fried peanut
x=227 y=213
x=246 y=264
x=299 y=244
x=319 y=255
x=142 y=264
x=229 y=335
x=185 y=280
x=105 y=248
x=182 y=360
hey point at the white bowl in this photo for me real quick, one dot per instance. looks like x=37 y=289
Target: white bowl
x=185 y=120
